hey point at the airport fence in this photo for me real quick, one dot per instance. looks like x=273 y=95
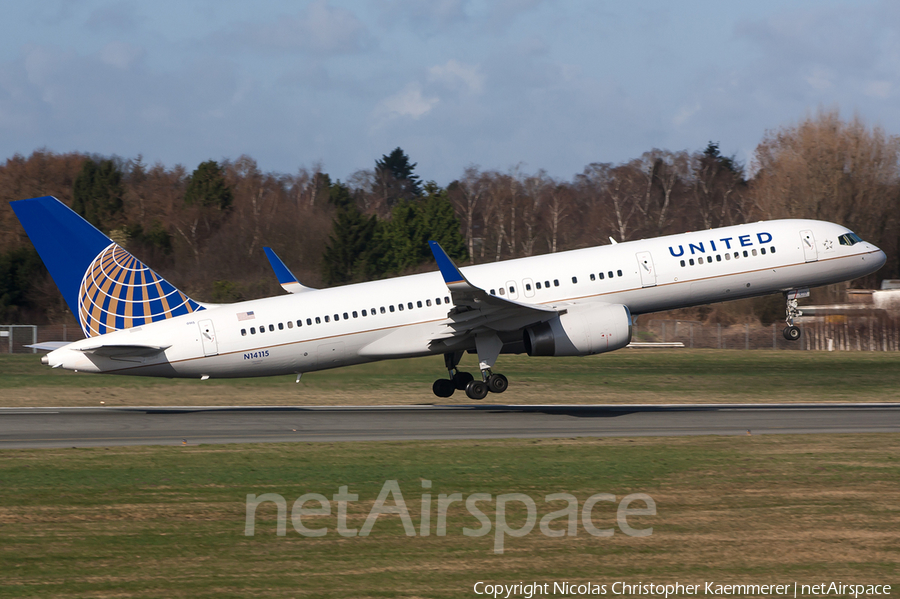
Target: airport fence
x=825 y=333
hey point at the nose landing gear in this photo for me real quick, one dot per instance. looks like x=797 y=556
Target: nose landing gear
x=792 y=332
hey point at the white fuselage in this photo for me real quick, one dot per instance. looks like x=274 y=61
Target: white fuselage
x=409 y=316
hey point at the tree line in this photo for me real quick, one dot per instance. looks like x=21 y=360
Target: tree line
x=204 y=230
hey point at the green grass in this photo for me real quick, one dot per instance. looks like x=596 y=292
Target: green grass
x=169 y=522
x=626 y=376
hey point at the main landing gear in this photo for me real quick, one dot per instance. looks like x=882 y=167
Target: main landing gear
x=792 y=332
x=488 y=347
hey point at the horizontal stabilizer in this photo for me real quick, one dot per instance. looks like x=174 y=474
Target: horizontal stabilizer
x=124 y=351
x=285 y=277
x=48 y=345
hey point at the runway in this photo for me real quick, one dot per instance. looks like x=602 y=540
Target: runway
x=99 y=427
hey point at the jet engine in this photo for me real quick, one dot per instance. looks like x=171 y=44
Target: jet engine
x=581 y=331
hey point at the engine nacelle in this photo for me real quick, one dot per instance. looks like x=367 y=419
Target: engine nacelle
x=581 y=331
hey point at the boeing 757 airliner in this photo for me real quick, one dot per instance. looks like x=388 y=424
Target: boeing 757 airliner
x=574 y=303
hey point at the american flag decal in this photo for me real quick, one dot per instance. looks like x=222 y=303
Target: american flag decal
x=246 y=315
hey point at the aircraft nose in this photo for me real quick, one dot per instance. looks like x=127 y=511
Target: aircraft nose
x=880 y=257
x=45 y=360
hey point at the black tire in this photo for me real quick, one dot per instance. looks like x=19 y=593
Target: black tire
x=477 y=389
x=497 y=383
x=791 y=333
x=443 y=387
x=462 y=379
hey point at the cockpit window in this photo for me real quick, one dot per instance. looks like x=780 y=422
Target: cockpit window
x=849 y=239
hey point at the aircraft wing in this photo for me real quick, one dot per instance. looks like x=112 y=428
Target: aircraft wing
x=476 y=310
x=287 y=279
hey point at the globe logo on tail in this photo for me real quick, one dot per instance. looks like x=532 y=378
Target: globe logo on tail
x=119 y=292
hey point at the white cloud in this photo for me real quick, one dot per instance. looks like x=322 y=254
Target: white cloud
x=456 y=75
x=408 y=102
x=878 y=89
x=820 y=79
x=119 y=54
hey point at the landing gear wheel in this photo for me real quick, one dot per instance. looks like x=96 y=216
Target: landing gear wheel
x=462 y=379
x=477 y=389
x=443 y=387
x=791 y=333
x=497 y=383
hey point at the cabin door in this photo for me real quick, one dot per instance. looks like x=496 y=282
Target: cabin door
x=208 y=338
x=809 y=246
x=645 y=266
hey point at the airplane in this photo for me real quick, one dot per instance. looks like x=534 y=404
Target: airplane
x=573 y=303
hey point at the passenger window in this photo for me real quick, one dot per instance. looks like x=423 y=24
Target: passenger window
x=772 y=249
x=346 y=316
x=574 y=280
x=262 y=329
x=299 y=323
x=611 y=275
x=272 y=327
x=428 y=302
x=391 y=307
x=728 y=256
x=290 y=324
x=409 y=305
x=493 y=292
x=547 y=284
x=309 y=321
x=419 y=304
x=364 y=312
x=446 y=300
x=252 y=330
x=737 y=255
x=691 y=261
x=319 y=320
x=337 y=317
x=527 y=286
x=355 y=314
x=512 y=289
x=400 y=306
x=602 y=276
x=382 y=309
x=620 y=272
x=593 y=277
x=753 y=252
x=700 y=260
x=243 y=332
x=326 y=318
x=745 y=254
x=718 y=257
x=682 y=262
x=556 y=282
x=502 y=292
x=762 y=251
x=280 y=326
x=537 y=285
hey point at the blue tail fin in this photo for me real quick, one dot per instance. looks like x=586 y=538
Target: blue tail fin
x=106 y=288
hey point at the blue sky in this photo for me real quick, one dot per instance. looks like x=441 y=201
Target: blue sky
x=545 y=85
